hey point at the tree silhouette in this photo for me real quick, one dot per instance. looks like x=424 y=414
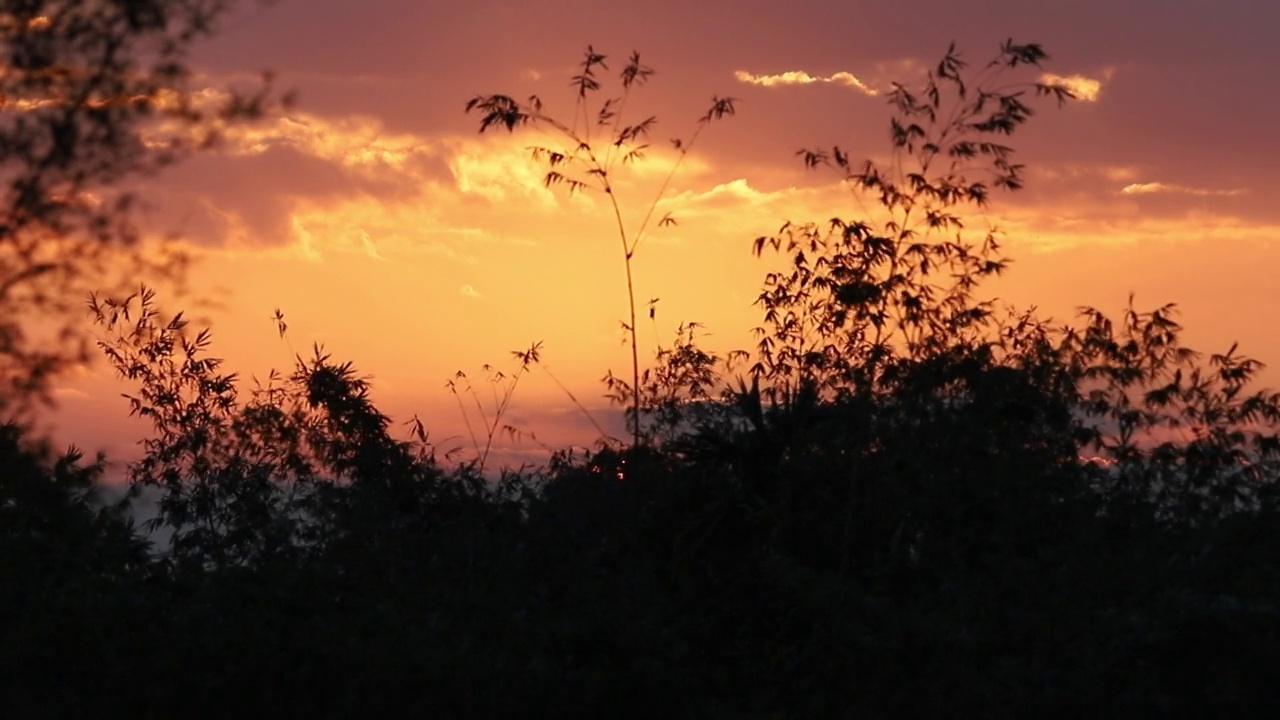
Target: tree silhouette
x=93 y=93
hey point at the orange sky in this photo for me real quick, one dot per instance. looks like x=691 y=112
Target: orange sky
x=385 y=227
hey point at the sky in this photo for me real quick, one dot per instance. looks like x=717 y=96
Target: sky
x=383 y=225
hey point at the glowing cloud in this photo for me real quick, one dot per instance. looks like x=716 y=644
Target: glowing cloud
x=1152 y=188
x=1084 y=88
x=368 y=246
x=800 y=77
x=355 y=142
x=69 y=393
x=1088 y=173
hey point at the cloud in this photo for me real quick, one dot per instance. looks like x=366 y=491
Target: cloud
x=1084 y=88
x=800 y=77
x=310 y=184
x=1071 y=218
x=357 y=144
x=224 y=199
x=1152 y=188
x=470 y=292
x=501 y=171
x=436 y=221
x=367 y=244
x=1085 y=173
x=69 y=393
x=1108 y=220
x=732 y=194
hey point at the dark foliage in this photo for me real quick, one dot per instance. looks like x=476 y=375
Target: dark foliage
x=93 y=95
x=906 y=501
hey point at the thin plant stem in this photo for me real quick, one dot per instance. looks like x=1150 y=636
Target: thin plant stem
x=577 y=403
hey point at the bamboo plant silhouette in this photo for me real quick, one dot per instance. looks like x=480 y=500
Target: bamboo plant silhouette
x=868 y=304
x=504 y=388
x=581 y=164
x=857 y=294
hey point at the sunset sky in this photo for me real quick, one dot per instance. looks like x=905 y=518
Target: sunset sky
x=384 y=226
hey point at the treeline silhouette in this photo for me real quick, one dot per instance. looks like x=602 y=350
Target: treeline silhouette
x=905 y=500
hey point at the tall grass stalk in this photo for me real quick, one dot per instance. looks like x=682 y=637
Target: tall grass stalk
x=503 y=387
x=578 y=161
